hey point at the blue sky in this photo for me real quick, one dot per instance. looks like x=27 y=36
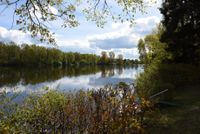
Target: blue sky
x=87 y=37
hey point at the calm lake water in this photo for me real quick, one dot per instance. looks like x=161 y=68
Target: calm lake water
x=29 y=80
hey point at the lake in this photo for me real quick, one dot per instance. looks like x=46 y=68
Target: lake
x=28 y=80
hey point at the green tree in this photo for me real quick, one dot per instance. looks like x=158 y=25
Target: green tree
x=151 y=49
x=42 y=55
x=104 y=57
x=28 y=55
x=142 y=51
x=13 y=54
x=112 y=57
x=70 y=58
x=120 y=59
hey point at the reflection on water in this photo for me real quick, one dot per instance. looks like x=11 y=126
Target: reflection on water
x=71 y=78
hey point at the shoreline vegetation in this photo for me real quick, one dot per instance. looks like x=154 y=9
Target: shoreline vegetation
x=32 y=55
x=106 y=110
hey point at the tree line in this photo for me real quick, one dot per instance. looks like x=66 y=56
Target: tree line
x=11 y=54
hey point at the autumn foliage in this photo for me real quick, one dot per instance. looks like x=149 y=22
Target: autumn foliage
x=107 y=110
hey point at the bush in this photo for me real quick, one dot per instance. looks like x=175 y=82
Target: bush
x=107 y=110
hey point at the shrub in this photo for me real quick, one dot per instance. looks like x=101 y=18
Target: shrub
x=106 y=110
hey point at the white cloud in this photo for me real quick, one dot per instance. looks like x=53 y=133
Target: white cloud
x=68 y=42
x=53 y=10
x=124 y=36
x=120 y=42
x=14 y=36
x=127 y=53
x=143 y=22
x=144 y=26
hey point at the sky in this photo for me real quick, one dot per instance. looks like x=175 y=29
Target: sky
x=87 y=37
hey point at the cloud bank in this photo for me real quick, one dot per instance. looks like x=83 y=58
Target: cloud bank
x=14 y=36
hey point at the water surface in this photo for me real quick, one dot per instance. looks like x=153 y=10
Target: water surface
x=33 y=79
